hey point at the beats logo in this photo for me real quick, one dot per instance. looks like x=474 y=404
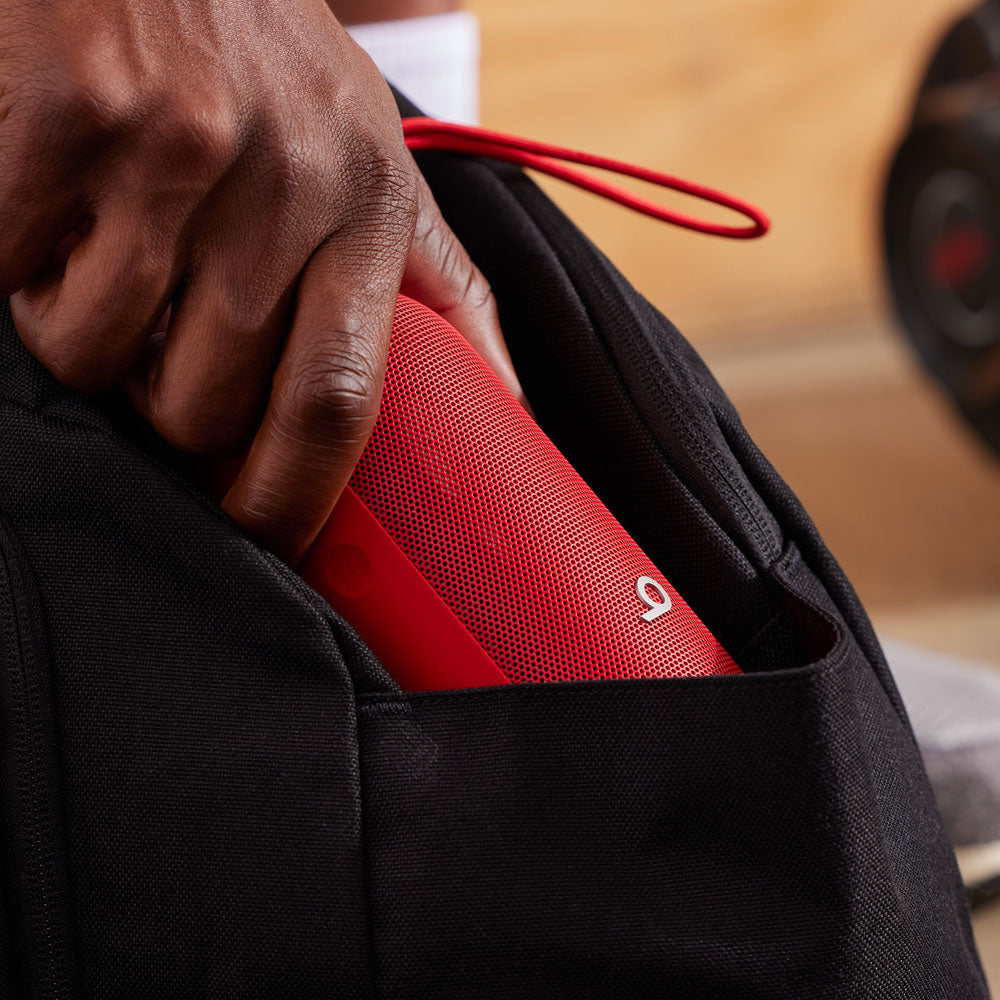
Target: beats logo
x=656 y=607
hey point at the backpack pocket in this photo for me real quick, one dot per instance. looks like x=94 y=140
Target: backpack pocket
x=204 y=739
x=762 y=835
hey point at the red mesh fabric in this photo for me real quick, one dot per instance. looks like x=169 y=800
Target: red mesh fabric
x=505 y=530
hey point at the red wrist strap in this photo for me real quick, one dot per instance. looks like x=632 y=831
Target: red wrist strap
x=428 y=133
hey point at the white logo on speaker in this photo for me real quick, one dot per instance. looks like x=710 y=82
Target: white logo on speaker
x=656 y=608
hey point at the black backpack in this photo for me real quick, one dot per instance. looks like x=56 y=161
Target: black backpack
x=210 y=788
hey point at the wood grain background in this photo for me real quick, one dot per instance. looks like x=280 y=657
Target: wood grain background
x=791 y=104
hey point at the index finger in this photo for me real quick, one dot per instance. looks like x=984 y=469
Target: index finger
x=326 y=394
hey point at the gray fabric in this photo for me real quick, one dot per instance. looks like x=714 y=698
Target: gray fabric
x=954 y=706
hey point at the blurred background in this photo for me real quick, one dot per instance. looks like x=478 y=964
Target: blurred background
x=797 y=106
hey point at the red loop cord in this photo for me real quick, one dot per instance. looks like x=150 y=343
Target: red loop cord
x=428 y=133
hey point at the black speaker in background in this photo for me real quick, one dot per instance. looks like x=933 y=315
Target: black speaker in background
x=942 y=219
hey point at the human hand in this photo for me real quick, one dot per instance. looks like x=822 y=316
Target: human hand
x=209 y=202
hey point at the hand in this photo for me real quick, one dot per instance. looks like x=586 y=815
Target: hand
x=209 y=202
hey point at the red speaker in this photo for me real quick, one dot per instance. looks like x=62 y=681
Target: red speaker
x=467 y=551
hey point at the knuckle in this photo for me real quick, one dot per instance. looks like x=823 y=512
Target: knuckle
x=277 y=516
x=288 y=169
x=430 y=228
x=467 y=284
x=391 y=178
x=7 y=99
x=274 y=509
x=74 y=356
x=476 y=291
x=200 y=415
x=283 y=151
x=384 y=180
x=455 y=265
x=339 y=390
x=140 y=276
x=199 y=136
x=241 y=315
x=285 y=170
x=89 y=106
x=86 y=341
x=189 y=428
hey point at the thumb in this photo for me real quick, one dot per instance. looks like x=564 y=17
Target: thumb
x=441 y=275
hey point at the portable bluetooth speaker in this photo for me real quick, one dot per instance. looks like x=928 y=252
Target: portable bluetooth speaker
x=467 y=551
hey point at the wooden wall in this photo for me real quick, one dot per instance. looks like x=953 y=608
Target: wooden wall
x=792 y=104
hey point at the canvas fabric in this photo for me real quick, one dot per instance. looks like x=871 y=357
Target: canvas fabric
x=209 y=787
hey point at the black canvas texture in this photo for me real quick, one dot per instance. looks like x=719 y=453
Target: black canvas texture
x=209 y=787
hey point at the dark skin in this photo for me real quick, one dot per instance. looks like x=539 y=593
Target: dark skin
x=360 y=11
x=209 y=204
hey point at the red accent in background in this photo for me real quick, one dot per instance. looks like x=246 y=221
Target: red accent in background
x=960 y=256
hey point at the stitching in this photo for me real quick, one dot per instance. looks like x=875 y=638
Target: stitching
x=366 y=857
x=674 y=402
x=12 y=583
x=775 y=619
x=370 y=706
x=403 y=704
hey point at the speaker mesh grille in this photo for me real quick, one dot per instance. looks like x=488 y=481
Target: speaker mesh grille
x=506 y=531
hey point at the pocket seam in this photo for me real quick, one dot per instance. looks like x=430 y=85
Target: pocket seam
x=24 y=641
